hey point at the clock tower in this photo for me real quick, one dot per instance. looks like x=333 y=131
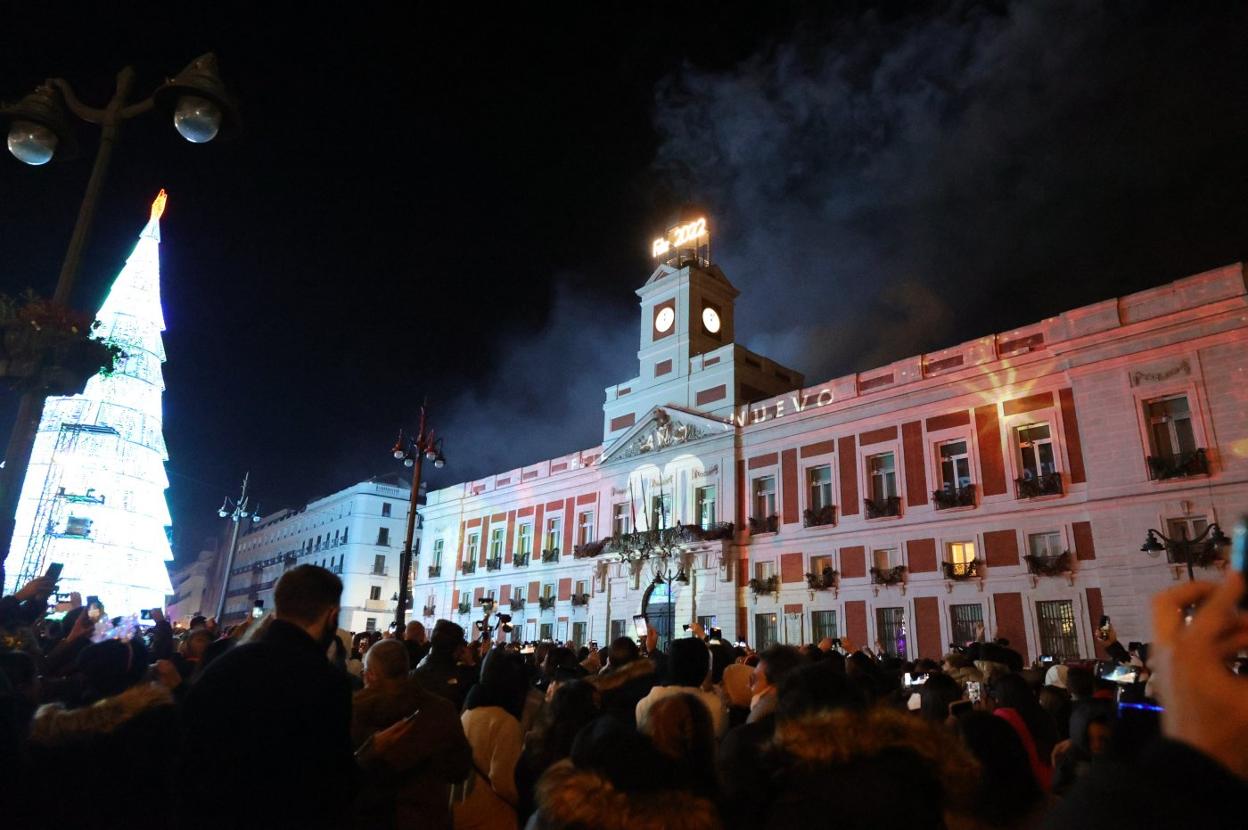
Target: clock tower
x=687 y=352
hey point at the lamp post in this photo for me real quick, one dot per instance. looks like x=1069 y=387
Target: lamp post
x=1184 y=549
x=235 y=512
x=664 y=576
x=39 y=127
x=413 y=452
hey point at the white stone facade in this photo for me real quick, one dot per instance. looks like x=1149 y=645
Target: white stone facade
x=1052 y=427
x=357 y=533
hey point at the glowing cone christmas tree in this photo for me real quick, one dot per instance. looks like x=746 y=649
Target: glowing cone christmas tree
x=94 y=494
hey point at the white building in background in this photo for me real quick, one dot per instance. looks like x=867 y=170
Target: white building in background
x=357 y=533
x=195 y=588
x=1009 y=479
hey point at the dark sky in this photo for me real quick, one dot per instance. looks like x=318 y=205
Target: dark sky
x=459 y=205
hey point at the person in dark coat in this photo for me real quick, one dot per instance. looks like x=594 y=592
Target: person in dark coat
x=414 y=789
x=276 y=708
x=440 y=671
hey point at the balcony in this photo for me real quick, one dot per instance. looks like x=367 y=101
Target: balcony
x=668 y=537
x=589 y=549
x=888 y=576
x=1178 y=465
x=464 y=607
x=550 y=555
x=770 y=585
x=435 y=571
x=825 y=580
x=580 y=600
x=495 y=564
x=881 y=508
x=521 y=560
x=961 y=571
x=948 y=498
x=379 y=572
x=1033 y=487
x=377 y=605
x=825 y=515
x=469 y=566
x=1053 y=565
x=545 y=603
x=517 y=604
x=767 y=524
x=428 y=611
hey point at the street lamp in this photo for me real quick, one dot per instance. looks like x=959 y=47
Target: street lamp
x=1183 y=549
x=661 y=565
x=413 y=452
x=40 y=130
x=236 y=512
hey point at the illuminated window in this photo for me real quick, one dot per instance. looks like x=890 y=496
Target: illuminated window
x=660 y=510
x=961 y=555
x=621 y=521
x=548 y=590
x=819 y=484
x=707 y=507
x=891 y=631
x=764 y=497
x=820 y=563
x=883 y=476
x=764 y=570
x=582 y=587
x=885 y=558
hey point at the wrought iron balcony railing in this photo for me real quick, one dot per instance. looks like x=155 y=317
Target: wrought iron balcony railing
x=517 y=604
x=545 y=603
x=464 y=607
x=1031 y=487
x=959 y=571
x=878 y=509
x=494 y=564
x=948 y=497
x=765 y=524
x=588 y=549
x=888 y=576
x=470 y=566
x=667 y=537
x=550 y=555
x=1049 y=565
x=521 y=560
x=825 y=515
x=1178 y=465
x=428 y=610
x=770 y=585
x=822 y=581
x=435 y=571
x=580 y=599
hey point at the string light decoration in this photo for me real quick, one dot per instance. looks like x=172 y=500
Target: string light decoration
x=94 y=494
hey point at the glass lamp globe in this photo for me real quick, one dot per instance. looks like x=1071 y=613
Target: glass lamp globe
x=222 y=513
x=398 y=455
x=197 y=119
x=439 y=462
x=407 y=462
x=31 y=143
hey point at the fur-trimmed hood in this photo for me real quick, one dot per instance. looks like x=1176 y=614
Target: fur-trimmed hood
x=54 y=724
x=636 y=670
x=572 y=797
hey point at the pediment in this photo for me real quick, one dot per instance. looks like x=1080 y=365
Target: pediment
x=662 y=428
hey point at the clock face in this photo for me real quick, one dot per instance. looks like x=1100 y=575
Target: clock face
x=710 y=319
x=664 y=320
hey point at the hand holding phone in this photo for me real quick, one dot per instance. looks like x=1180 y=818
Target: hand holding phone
x=639 y=622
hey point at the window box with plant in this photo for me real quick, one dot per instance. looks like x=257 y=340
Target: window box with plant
x=550 y=555
x=1035 y=486
x=464 y=607
x=435 y=571
x=470 y=566
x=766 y=585
x=823 y=581
x=580 y=599
x=960 y=571
x=494 y=564
x=589 y=549
x=517 y=604
x=948 y=498
x=521 y=560
x=767 y=524
x=1178 y=465
x=882 y=508
x=888 y=576
x=825 y=515
x=546 y=603
x=428 y=610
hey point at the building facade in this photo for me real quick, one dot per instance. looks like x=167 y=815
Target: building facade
x=357 y=533
x=1010 y=481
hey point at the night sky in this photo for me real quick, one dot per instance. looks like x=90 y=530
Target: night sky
x=460 y=206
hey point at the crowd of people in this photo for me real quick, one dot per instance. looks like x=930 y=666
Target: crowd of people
x=285 y=721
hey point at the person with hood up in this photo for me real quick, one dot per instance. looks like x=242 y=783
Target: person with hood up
x=491 y=720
